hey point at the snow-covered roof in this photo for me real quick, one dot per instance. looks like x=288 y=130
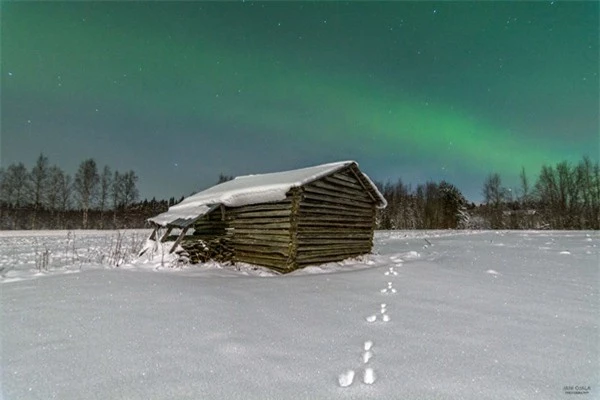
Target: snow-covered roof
x=251 y=189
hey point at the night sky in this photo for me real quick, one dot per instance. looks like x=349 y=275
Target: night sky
x=183 y=91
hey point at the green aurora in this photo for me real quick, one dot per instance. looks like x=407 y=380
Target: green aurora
x=303 y=83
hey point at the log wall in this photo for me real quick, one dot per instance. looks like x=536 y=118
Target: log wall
x=261 y=233
x=211 y=226
x=328 y=220
x=336 y=220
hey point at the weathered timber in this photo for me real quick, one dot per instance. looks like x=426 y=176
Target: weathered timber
x=341 y=190
x=259 y=214
x=344 y=177
x=314 y=211
x=326 y=242
x=281 y=205
x=259 y=221
x=277 y=265
x=260 y=243
x=333 y=224
x=165 y=236
x=336 y=181
x=334 y=218
x=260 y=258
x=326 y=259
x=181 y=235
x=308 y=204
x=336 y=200
x=324 y=256
x=327 y=219
x=326 y=248
x=263 y=249
x=261 y=238
x=296 y=195
x=338 y=196
x=264 y=227
x=343 y=231
x=202 y=251
x=252 y=230
x=305 y=255
x=361 y=180
x=323 y=237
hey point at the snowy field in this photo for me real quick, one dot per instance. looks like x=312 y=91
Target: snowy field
x=431 y=315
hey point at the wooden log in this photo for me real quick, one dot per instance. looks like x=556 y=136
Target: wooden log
x=275 y=265
x=259 y=221
x=304 y=258
x=310 y=204
x=328 y=218
x=334 y=224
x=342 y=176
x=181 y=235
x=165 y=236
x=262 y=226
x=280 y=205
x=366 y=185
x=353 y=193
x=317 y=211
x=324 y=260
x=251 y=230
x=333 y=236
x=343 y=231
x=336 y=200
x=262 y=238
x=334 y=248
x=337 y=195
x=263 y=250
x=296 y=195
x=262 y=259
x=328 y=241
x=259 y=214
x=336 y=181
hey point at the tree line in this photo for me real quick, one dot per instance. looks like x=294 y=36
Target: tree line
x=429 y=206
x=564 y=196
x=46 y=197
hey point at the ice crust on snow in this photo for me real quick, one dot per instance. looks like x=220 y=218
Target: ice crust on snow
x=251 y=189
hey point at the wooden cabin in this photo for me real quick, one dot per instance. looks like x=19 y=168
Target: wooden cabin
x=283 y=220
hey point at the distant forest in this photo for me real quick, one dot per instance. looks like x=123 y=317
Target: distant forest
x=46 y=197
x=564 y=196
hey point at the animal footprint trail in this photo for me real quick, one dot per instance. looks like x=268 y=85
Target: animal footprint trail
x=367 y=355
x=346 y=378
x=389 y=289
x=383 y=314
x=371 y=318
x=369 y=374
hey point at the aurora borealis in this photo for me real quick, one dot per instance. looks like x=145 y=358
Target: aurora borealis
x=182 y=91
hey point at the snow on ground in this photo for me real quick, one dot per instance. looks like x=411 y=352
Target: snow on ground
x=430 y=315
